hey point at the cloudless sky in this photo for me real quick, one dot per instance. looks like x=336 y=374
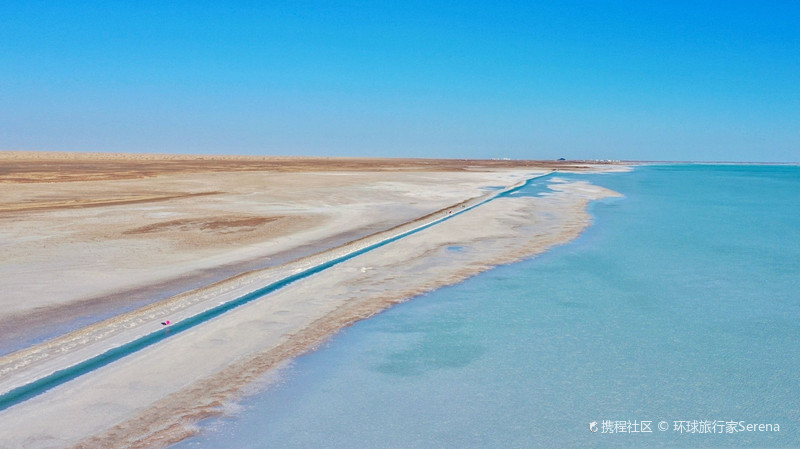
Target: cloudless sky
x=646 y=80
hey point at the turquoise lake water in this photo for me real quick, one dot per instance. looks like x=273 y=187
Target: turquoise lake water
x=680 y=303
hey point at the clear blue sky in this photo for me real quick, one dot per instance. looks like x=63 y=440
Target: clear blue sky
x=665 y=80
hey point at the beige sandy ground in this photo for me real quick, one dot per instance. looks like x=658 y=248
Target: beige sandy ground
x=152 y=397
x=89 y=252
x=33 y=363
x=61 y=261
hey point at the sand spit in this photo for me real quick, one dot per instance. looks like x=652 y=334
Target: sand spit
x=85 y=235
x=153 y=397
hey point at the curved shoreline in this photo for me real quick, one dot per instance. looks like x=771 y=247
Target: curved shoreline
x=511 y=228
x=172 y=418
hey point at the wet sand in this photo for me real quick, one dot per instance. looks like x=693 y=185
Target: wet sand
x=152 y=397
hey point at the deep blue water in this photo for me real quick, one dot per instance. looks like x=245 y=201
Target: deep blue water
x=681 y=303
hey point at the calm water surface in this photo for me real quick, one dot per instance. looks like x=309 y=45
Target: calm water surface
x=681 y=303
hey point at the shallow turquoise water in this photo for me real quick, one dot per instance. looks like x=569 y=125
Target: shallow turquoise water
x=682 y=302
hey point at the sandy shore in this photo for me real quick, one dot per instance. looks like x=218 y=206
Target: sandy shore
x=152 y=397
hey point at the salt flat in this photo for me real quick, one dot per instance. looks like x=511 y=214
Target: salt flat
x=101 y=234
x=94 y=240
